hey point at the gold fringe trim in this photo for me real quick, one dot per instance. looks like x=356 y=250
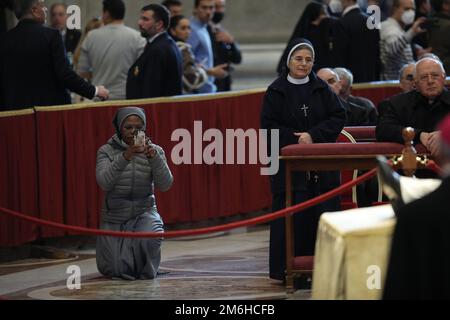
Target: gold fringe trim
x=14 y=113
x=125 y=103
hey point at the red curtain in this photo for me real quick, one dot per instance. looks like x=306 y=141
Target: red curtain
x=69 y=138
x=18 y=175
x=48 y=167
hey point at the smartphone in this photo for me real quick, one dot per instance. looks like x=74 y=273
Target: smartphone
x=139 y=138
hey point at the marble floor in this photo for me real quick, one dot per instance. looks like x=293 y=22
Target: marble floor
x=222 y=266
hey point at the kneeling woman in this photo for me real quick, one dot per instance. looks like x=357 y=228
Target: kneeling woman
x=304 y=110
x=128 y=174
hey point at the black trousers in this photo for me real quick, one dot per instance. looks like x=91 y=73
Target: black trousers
x=305 y=228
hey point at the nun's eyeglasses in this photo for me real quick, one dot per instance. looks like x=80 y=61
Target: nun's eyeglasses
x=300 y=60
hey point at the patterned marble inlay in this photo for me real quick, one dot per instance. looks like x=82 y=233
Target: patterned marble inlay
x=215 y=287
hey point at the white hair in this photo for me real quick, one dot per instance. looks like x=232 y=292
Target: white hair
x=344 y=73
x=402 y=70
x=439 y=62
x=330 y=70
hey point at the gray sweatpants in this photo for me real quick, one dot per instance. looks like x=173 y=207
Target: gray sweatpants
x=131 y=258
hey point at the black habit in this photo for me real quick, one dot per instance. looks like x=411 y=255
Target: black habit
x=157 y=72
x=324 y=120
x=419 y=264
x=34 y=69
x=356 y=47
x=410 y=109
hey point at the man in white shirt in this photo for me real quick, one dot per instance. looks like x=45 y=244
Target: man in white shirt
x=107 y=53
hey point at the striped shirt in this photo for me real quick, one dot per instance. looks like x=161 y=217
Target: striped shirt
x=395 y=48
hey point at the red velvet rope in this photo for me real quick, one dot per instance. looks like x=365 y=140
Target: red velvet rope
x=191 y=232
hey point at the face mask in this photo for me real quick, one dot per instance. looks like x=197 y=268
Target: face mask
x=335 y=6
x=217 y=17
x=408 y=17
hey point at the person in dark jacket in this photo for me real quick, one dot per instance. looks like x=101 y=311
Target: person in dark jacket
x=304 y=110
x=419 y=263
x=317 y=26
x=158 y=71
x=34 y=69
x=6 y=7
x=225 y=48
x=345 y=93
x=356 y=46
x=128 y=172
x=421 y=109
x=58 y=20
x=439 y=30
x=355 y=114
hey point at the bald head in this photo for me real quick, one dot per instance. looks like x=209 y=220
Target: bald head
x=407 y=77
x=430 y=77
x=330 y=77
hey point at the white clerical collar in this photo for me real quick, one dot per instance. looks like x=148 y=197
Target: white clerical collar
x=154 y=37
x=297 y=81
x=349 y=8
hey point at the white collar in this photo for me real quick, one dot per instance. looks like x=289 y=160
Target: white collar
x=298 y=81
x=349 y=8
x=154 y=37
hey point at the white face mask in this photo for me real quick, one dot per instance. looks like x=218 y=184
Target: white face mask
x=335 y=6
x=408 y=17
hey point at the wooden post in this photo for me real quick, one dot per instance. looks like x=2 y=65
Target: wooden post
x=289 y=230
x=409 y=153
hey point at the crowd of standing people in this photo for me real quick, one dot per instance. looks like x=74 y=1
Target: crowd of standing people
x=58 y=65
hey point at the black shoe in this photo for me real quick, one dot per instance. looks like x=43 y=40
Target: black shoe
x=390 y=182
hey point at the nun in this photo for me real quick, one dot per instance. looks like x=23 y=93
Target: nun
x=128 y=172
x=304 y=110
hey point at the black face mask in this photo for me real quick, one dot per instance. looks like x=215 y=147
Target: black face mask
x=218 y=16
